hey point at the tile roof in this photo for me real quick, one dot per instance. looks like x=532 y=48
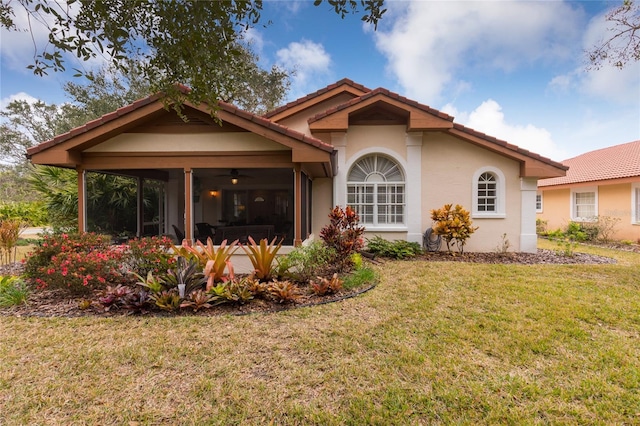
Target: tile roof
x=615 y=162
x=153 y=98
x=387 y=93
x=507 y=145
x=344 y=81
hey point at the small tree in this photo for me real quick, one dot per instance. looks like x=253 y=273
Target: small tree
x=454 y=225
x=10 y=230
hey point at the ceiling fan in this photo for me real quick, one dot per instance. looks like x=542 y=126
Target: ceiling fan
x=234 y=175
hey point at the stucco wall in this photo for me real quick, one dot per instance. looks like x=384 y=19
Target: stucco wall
x=448 y=166
x=322 y=203
x=446 y=173
x=614 y=201
x=555 y=208
x=299 y=121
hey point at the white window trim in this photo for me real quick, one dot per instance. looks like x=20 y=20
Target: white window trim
x=541 y=209
x=635 y=194
x=400 y=227
x=572 y=203
x=500 y=212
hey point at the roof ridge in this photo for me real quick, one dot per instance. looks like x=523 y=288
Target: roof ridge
x=386 y=92
x=344 y=81
x=508 y=145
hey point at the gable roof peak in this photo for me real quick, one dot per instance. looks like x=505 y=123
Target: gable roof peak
x=356 y=87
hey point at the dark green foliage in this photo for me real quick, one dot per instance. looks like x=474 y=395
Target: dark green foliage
x=398 y=249
x=197 y=43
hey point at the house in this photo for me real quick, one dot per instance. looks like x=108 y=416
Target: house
x=391 y=158
x=604 y=182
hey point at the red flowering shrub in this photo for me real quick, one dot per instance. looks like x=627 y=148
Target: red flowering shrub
x=76 y=262
x=149 y=254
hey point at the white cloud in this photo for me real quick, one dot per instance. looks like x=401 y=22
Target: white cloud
x=308 y=60
x=488 y=118
x=432 y=42
x=21 y=96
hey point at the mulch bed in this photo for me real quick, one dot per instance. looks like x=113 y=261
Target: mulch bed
x=54 y=303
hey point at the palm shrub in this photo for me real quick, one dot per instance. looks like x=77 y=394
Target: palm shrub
x=453 y=224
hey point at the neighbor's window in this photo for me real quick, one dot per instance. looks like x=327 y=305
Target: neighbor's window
x=376 y=190
x=488 y=193
x=584 y=205
x=539 y=203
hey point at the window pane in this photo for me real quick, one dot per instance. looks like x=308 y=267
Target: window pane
x=585 y=204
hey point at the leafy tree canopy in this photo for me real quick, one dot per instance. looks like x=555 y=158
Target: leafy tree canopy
x=623 y=42
x=196 y=43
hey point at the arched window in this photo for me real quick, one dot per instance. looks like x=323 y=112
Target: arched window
x=376 y=190
x=488 y=193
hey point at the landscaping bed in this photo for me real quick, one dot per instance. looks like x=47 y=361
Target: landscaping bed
x=57 y=303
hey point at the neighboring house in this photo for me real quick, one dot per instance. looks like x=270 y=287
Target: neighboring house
x=605 y=182
x=391 y=158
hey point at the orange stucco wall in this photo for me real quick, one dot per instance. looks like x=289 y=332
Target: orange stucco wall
x=614 y=201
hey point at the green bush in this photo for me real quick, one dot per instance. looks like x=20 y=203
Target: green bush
x=32 y=213
x=307 y=262
x=13 y=291
x=398 y=249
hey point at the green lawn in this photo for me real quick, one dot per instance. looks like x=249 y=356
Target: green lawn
x=434 y=343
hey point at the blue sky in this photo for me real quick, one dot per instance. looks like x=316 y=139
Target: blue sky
x=514 y=70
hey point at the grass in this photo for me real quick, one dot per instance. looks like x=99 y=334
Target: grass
x=433 y=343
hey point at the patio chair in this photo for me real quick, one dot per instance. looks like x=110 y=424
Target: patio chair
x=179 y=234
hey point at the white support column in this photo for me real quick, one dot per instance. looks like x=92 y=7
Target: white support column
x=339 y=142
x=528 y=236
x=414 y=187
